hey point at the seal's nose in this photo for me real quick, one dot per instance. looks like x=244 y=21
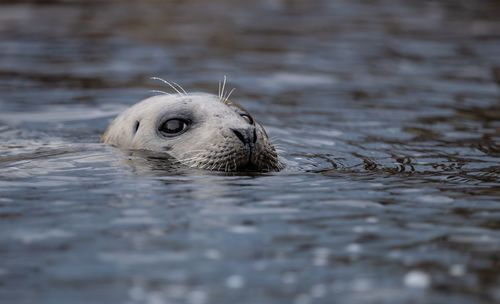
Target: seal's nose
x=247 y=136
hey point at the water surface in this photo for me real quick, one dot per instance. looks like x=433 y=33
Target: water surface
x=387 y=114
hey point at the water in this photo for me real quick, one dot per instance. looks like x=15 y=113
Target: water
x=387 y=112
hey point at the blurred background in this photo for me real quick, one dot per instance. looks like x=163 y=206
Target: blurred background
x=387 y=113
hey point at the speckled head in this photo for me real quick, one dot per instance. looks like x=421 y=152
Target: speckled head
x=197 y=129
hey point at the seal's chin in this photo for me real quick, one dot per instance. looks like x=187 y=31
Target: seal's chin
x=249 y=167
x=253 y=159
x=261 y=164
x=246 y=162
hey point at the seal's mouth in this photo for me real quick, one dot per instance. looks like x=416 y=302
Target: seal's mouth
x=249 y=151
x=248 y=167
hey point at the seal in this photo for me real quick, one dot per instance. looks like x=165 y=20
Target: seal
x=199 y=130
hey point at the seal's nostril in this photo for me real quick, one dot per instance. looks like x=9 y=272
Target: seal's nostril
x=254 y=135
x=239 y=135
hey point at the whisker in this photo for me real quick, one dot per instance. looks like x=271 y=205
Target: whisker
x=223 y=87
x=168 y=83
x=275 y=139
x=190 y=159
x=184 y=91
x=228 y=95
x=194 y=150
x=190 y=162
x=193 y=157
x=158 y=91
x=220 y=97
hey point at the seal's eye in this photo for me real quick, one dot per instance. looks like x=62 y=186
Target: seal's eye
x=248 y=118
x=173 y=127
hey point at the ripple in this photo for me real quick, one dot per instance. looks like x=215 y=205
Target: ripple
x=435 y=199
x=417 y=279
x=235 y=282
x=144 y=258
x=353 y=203
x=34 y=236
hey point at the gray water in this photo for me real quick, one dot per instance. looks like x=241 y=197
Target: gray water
x=387 y=114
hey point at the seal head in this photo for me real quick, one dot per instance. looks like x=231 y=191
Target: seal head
x=198 y=130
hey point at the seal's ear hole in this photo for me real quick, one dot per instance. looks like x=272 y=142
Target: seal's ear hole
x=136 y=126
